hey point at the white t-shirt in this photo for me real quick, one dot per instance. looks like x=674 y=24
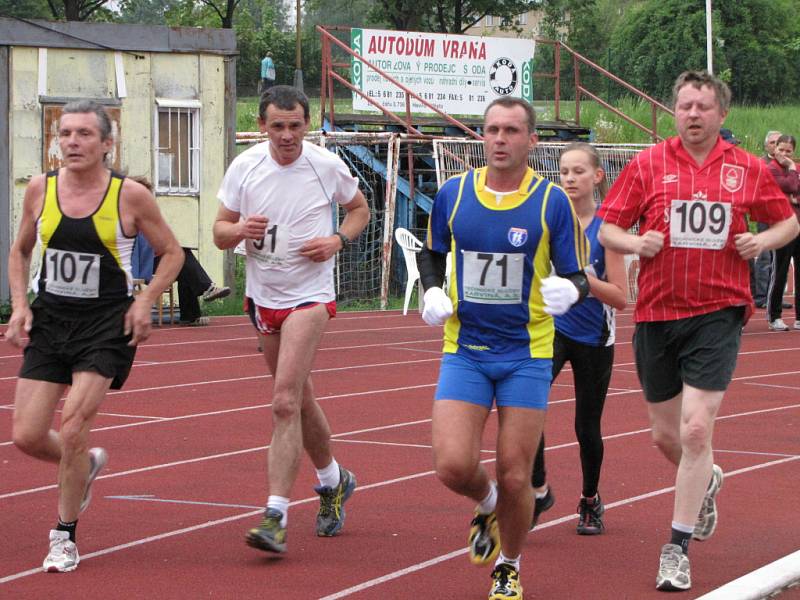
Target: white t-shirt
x=298 y=199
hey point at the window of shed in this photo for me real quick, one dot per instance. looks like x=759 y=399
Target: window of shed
x=178 y=147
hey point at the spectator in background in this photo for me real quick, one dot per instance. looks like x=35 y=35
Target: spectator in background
x=193 y=280
x=784 y=170
x=761 y=266
x=267 y=74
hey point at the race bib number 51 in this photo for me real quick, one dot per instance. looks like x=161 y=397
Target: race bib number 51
x=699 y=224
x=273 y=249
x=493 y=277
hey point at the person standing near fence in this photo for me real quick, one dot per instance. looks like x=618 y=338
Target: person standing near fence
x=267 y=73
x=84 y=324
x=784 y=170
x=761 y=265
x=689 y=194
x=585 y=337
x=279 y=197
x=505 y=226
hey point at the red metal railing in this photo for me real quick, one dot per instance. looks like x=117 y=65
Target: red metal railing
x=329 y=75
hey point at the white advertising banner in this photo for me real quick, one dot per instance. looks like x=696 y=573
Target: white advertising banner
x=458 y=74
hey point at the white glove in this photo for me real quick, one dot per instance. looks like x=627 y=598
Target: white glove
x=559 y=295
x=438 y=307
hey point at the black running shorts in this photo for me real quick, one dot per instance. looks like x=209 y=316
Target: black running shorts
x=699 y=351
x=61 y=345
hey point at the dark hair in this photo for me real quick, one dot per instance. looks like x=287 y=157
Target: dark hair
x=284 y=97
x=90 y=106
x=594 y=159
x=142 y=180
x=697 y=79
x=787 y=139
x=511 y=102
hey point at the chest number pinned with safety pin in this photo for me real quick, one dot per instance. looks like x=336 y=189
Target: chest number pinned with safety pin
x=492 y=277
x=699 y=224
x=273 y=248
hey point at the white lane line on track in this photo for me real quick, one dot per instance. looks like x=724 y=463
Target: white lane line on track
x=258 y=357
x=445 y=557
x=152 y=498
x=213 y=457
x=772 y=385
x=389 y=576
x=251 y=407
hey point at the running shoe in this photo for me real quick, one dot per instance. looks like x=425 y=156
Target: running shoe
x=63 y=556
x=215 y=293
x=269 y=536
x=778 y=325
x=707 y=518
x=591 y=511
x=484 y=539
x=98 y=458
x=673 y=569
x=505 y=583
x=330 y=517
x=541 y=505
x=797 y=324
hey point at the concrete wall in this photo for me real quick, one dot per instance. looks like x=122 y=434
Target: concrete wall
x=77 y=73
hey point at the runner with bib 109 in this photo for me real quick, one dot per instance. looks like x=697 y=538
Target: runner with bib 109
x=689 y=195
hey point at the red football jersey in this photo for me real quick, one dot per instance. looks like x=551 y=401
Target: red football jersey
x=699 y=209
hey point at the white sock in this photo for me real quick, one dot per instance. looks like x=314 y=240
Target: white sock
x=281 y=504
x=514 y=562
x=488 y=504
x=682 y=527
x=329 y=476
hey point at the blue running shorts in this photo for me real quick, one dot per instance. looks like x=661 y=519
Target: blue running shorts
x=519 y=383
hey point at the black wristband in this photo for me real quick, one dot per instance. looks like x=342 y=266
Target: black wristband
x=344 y=238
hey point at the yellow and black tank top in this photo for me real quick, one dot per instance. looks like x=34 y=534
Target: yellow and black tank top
x=85 y=263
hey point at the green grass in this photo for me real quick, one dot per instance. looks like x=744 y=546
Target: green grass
x=748 y=123
x=247 y=112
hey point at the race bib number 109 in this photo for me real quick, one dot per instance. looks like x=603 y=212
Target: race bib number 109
x=699 y=224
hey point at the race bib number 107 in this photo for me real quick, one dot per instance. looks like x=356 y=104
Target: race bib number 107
x=699 y=224
x=72 y=274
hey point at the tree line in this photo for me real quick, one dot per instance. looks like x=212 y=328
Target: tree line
x=756 y=43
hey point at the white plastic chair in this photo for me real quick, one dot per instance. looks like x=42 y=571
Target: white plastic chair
x=411 y=247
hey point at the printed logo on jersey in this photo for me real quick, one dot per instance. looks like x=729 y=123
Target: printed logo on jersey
x=669 y=178
x=517 y=236
x=732 y=177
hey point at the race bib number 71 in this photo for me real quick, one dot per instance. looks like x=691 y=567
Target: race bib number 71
x=493 y=277
x=699 y=224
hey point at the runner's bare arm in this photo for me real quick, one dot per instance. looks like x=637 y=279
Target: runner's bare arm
x=230 y=229
x=139 y=205
x=19 y=262
x=357 y=217
x=617 y=239
x=612 y=291
x=777 y=235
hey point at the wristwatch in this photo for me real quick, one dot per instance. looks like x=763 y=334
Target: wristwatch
x=344 y=238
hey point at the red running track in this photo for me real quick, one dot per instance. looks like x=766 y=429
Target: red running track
x=186 y=478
